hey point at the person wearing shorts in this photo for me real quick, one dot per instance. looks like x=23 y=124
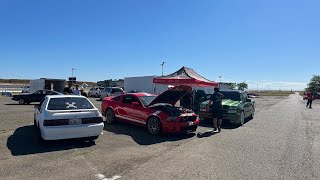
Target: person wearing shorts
x=216 y=102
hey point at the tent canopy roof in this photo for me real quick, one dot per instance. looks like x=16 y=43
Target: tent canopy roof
x=185 y=76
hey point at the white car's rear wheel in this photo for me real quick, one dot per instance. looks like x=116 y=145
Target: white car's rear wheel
x=40 y=139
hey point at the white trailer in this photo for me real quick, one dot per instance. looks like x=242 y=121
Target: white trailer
x=144 y=83
x=49 y=84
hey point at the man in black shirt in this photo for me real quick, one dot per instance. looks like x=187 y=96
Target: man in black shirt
x=216 y=101
x=67 y=90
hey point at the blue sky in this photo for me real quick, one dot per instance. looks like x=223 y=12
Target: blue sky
x=273 y=43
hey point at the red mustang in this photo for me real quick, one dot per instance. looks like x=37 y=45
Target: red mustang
x=157 y=113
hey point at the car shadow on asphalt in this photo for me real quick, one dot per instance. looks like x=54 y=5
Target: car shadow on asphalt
x=225 y=125
x=26 y=141
x=32 y=104
x=141 y=136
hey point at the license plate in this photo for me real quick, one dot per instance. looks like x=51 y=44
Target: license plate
x=190 y=123
x=75 y=121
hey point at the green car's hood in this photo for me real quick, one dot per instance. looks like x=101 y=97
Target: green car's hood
x=225 y=102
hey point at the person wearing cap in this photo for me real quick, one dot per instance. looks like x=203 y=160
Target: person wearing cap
x=216 y=102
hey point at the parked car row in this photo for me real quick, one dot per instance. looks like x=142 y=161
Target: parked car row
x=61 y=116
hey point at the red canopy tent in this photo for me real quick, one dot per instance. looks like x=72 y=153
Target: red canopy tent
x=185 y=76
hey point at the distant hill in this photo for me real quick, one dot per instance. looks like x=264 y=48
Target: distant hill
x=27 y=81
x=15 y=81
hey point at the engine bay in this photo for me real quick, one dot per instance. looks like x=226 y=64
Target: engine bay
x=171 y=110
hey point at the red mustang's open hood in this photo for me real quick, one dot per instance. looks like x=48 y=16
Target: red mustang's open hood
x=173 y=95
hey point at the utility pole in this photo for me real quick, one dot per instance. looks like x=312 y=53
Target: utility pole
x=220 y=81
x=162 y=64
x=73 y=69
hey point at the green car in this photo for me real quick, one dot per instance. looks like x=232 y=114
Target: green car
x=236 y=107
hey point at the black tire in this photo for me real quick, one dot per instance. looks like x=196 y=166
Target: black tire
x=40 y=139
x=89 y=95
x=154 y=126
x=21 y=101
x=110 y=116
x=241 y=119
x=252 y=115
x=35 y=123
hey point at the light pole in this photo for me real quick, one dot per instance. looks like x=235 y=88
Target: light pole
x=220 y=81
x=73 y=69
x=162 y=64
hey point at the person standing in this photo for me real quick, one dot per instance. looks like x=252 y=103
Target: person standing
x=76 y=91
x=216 y=102
x=310 y=99
x=67 y=90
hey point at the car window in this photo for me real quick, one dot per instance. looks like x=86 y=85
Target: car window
x=69 y=103
x=129 y=99
x=115 y=90
x=235 y=96
x=37 y=92
x=107 y=89
x=242 y=97
x=146 y=100
x=41 y=104
x=245 y=96
x=117 y=98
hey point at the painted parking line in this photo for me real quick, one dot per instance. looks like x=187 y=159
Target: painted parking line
x=103 y=177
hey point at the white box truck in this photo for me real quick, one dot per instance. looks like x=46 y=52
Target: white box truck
x=143 y=83
x=50 y=84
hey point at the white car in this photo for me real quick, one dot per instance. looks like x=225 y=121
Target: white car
x=26 y=89
x=95 y=91
x=111 y=91
x=68 y=117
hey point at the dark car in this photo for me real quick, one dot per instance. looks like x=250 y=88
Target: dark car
x=34 y=97
x=236 y=107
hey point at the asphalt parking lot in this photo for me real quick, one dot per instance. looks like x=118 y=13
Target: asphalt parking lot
x=281 y=142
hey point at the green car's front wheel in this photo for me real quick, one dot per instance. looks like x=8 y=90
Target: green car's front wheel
x=241 y=119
